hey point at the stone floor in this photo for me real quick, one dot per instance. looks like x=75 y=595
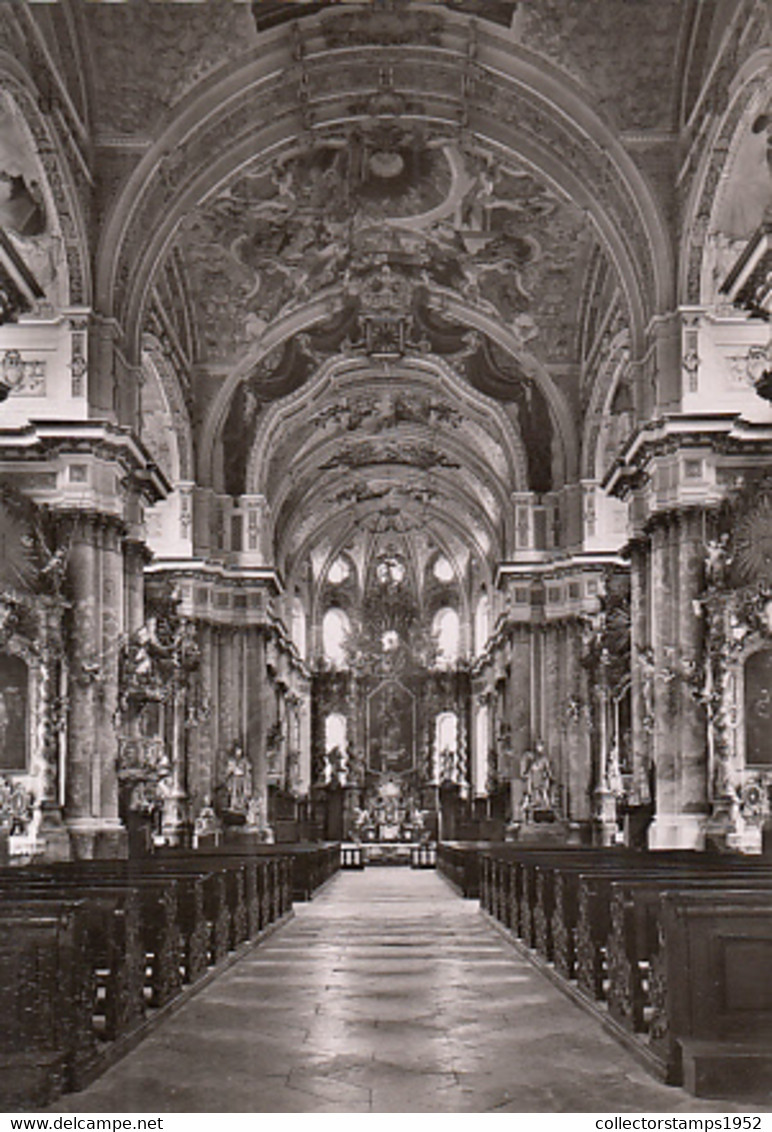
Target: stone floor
x=388 y=993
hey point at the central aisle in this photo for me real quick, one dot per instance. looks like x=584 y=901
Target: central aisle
x=388 y=993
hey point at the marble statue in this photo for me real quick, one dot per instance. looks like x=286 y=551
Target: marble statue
x=238 y=779
x=538 y=780
x=206 y=822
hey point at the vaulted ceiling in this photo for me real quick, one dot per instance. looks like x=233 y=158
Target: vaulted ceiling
x=385 y=248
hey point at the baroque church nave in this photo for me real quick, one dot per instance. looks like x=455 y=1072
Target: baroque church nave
x=385 y=435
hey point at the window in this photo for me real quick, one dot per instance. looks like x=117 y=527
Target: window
x=299 y=627
x=446 y=746
x=442 y=570
x=446 y=628
x=335 y=733
x=446 y=732
x=481 y=623
x=335 y=629
x=390 y=571
x=338 y=572
x=390 y=640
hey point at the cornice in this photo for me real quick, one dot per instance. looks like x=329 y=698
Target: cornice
x=559 y=569
x=99 y=438
x=669 y=435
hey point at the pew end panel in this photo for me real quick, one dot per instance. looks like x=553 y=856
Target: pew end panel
x=713 y=1023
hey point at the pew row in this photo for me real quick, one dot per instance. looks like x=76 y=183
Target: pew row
x=92 y=953
x=312 y=865
x=671 y=950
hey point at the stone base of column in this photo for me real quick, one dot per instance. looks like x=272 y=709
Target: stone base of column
x=677 y=831
x=97 y=839
x=605 y=825
x=175 y=827
x=727 y=831
x=52 y=835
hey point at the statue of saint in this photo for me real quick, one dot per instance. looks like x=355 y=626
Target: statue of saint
x=538 y=780
x=206 y=822
x=238 y=779
x=614 y=779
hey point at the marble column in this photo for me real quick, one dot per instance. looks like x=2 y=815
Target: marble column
x=53 y=840
x=257 y=715
x=664 y=737
x=135 y=556
x=228 y=724
x=203 y=745
x=551 y=726
x=112 y=614
x=305 y=740
x=641 y=691
x=520 y=710
x=680 y=751
x=578 y=731
x=214 y=692
x=91 y=810
x=693 y=729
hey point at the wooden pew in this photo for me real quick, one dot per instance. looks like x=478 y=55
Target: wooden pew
x=113 y=943
x=46 y=984
x=171 y=916
x=593 y=926
x=303 y=870
x=459 y=862
x=634 y=937
x=713 y=1029
x=158 y=912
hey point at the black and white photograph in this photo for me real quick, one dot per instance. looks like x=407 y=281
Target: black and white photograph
x=386 y=560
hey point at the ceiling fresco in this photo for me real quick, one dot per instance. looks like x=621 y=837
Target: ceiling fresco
x=486 y=367
x=374 y=228
x=400 y=452
x=386 y=219
x=334 y=215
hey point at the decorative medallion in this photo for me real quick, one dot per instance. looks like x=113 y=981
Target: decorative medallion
x=753 y=543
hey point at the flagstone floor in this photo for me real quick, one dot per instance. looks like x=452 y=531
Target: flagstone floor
x=387 y=993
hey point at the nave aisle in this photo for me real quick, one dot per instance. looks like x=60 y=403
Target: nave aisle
x=387 y=993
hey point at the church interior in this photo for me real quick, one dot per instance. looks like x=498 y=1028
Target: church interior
x=386 y=500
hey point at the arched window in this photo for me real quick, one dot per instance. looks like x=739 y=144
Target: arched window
x=442 y=570
x=447 y=731
x=335 y=736
x=299 y=627
x=335 y=629
x=446 y=745
x=481 y=623
x=446 y=628
x=339 y=571
x=335 y=733
x=482 y=735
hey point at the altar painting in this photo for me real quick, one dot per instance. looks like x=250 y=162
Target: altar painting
x=758 y=709
x=391 y=713
x=13 y=713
